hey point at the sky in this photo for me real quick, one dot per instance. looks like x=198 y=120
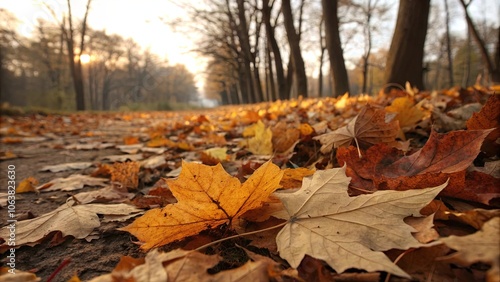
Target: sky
x=140 y=20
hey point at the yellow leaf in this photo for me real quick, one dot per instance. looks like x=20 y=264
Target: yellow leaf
x=161 y=142
x=305 y=129
x=408 y=113
x=27 y=185
x=207 y=197
x=292 y=178
x=218 y=153
x=261 y=142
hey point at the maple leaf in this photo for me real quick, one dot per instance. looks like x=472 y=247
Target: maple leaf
x=348 y=232
x=408 y=114
x=370 y=126
x=446 y=153
x=207 y=197
x=73 y=220
x=482 y=246
x=261 y=142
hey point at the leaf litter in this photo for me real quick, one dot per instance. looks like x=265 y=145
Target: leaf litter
x=347 y=208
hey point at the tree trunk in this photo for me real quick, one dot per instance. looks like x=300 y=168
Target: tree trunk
x=242 y=30
x=76 y=67
x=278 y=61
x=492 y=67
x=271 y=94
x=334 y=47
x=448 y=45
x=293 y=41
x=404 y=61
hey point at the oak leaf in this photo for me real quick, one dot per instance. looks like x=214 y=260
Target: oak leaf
x=482 y=246
x=488 y=117
x=370 y=126
x=207 y=197
x=348 y=232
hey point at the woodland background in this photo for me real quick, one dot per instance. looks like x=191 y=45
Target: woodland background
x=258 y=50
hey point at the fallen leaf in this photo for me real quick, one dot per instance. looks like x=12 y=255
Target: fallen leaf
x=370 y=126
x=17 y=276
x=284 y=136
x=261 y=142
x=408 y=114
x=66 y=166
x=27 y=185
x=292 y=177
x=127 y=174
x=488 y=117
x=207 y=197
x=72 y=182
x=153 y=162
x=482 y=246
x=348 y=232
x=72 y=220
x=109 y=194
x=442 y=153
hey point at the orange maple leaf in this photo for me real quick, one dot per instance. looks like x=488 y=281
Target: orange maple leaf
x=207 y=197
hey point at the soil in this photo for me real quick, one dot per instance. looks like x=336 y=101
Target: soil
x=87 y=259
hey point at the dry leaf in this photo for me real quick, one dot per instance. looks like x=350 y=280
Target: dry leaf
x=284 y=136
x=127 y=174
x=443 y=153
x=72 y=182
x=207 y=197
x=348 y=232
x=370 y=126
x=66 y=166
x=408 y=114
x=27 y=185
x=292 y=177
x=482 y=246
x=72 y=220
x=261 y=142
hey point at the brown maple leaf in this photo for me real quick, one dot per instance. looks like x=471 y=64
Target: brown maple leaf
x=207 y=197
x=370 y=126
x=443 y=153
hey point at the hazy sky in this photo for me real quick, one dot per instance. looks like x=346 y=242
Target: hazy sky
x=140 y=20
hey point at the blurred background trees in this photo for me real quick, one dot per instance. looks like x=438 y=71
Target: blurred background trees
x=257 y=50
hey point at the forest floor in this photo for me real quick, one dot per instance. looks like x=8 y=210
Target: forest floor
x=132 y=153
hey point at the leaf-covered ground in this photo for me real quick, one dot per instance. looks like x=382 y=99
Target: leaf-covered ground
x=396 y=187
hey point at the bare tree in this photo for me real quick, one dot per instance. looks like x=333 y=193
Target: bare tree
x=75 y=64
x=492 y=64
x=405 y=59
x=334 y=47
x=273 y=45
x=295 y=52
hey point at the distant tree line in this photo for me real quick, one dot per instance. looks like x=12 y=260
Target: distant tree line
x=256 y=48
x=72 y=66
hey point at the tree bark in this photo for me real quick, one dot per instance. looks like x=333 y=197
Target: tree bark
x=334 y=47
x=405 y=58
x=278 y=61
x=293 y=41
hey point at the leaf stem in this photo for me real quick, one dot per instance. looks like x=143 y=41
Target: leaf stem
x=240 y=235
